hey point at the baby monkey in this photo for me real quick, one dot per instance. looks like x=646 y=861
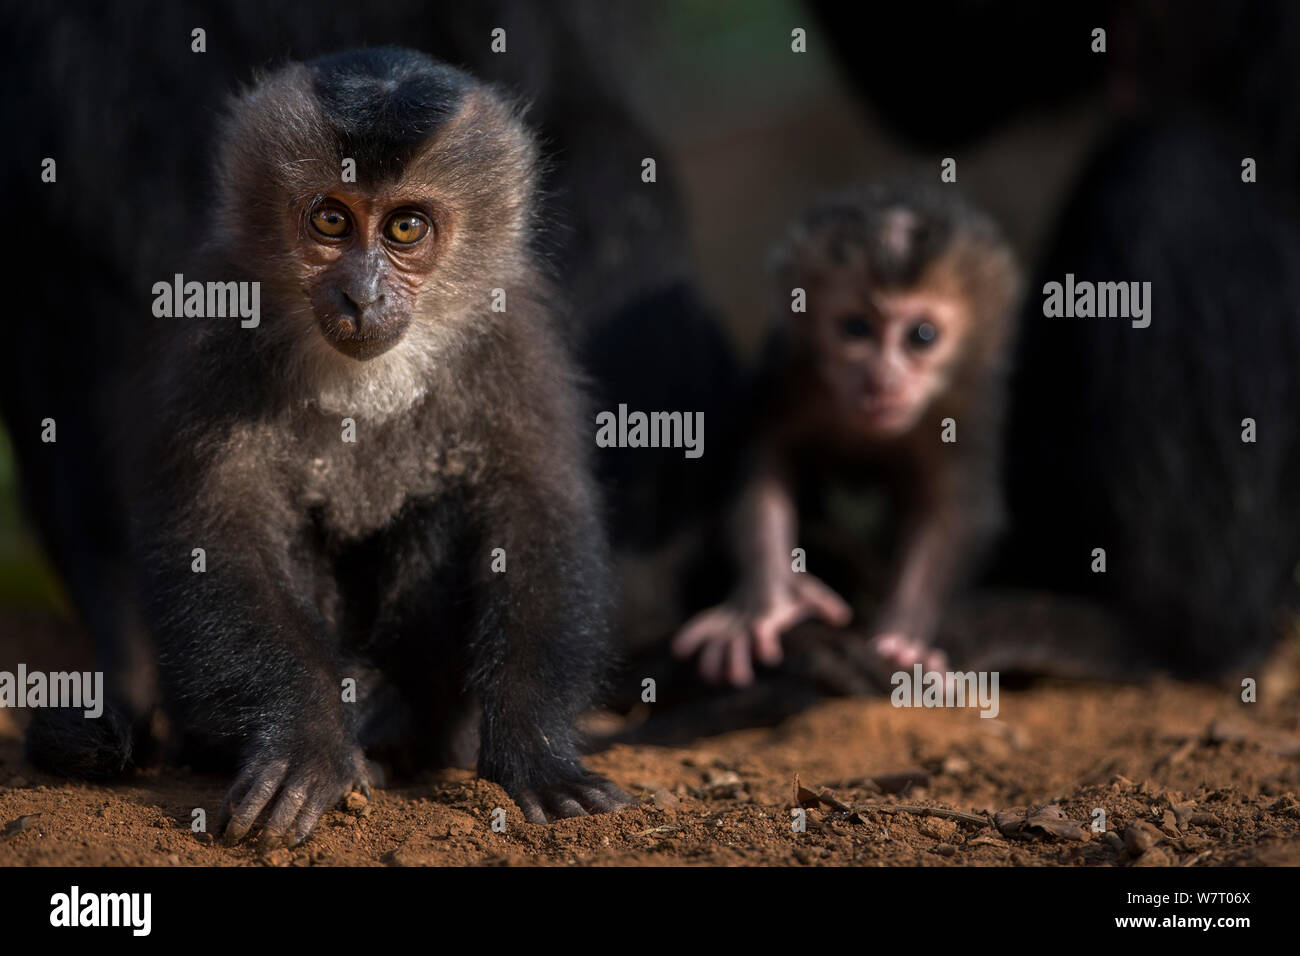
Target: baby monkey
x=357 y=468
x=886 y=363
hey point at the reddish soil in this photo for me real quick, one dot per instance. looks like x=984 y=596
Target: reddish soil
x=1187 y=775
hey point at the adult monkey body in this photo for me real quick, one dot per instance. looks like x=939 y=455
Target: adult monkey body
x=910 y=299
x=328 y=560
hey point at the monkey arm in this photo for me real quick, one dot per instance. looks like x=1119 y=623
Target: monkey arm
x=764 y=526
x=948 y=522
x=925 y=572
x=539 y=640
x=244 y=658
x=770 y=597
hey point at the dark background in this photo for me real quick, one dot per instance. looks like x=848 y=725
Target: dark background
x=664 y=278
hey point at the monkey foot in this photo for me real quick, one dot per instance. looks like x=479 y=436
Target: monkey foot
x=289 y=795
x=570 y=798
x=900 y=652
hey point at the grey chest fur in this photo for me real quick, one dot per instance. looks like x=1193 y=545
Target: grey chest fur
x=358 y=486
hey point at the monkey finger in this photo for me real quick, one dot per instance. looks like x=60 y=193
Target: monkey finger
x=365 y=775
x=560 y=804
x=740 y=669
x=307 y=820
x=902 y=651
x=699 y=630
x=234 y=796
x=886 y=644
x=825 y=603
x=599 y=795
x=282 y=816
x=766 y=632
x=935 y=660
x=909 y=654
x=372 y=775
x=712 y=659
x=767 y=628
x=245 y=809
x=531 y=806
x=899 y=650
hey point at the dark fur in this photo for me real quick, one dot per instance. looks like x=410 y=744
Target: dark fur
x=139 y=193
x=328 y=560
x=1130 y=439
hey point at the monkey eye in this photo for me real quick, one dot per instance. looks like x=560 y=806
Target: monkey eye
x=855 y=327
x=406 y=228
x=331 y=221
x=923 y=335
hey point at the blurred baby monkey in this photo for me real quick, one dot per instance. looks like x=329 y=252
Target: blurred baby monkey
x=886 y=364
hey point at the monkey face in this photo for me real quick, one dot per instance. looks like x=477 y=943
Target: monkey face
x=371 y=280
x=365 y=258
x=885 y=357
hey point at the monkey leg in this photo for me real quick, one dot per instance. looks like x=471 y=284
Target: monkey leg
x=536 y=652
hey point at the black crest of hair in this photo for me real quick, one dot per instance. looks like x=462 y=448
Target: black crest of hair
x=858 y=220
x=383 y=102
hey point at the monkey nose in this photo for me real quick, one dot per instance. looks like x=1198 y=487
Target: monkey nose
x=361 y=300
x=361 y=303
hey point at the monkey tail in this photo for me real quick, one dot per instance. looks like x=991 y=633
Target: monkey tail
x=1040 y=634
x=63 y=741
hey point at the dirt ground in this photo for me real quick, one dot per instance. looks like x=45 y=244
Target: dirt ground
x=1187 y=776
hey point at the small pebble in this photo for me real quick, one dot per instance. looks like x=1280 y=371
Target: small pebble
x=665 y=800
x=937 y=828
x=1155 y=857
x=1140 y=836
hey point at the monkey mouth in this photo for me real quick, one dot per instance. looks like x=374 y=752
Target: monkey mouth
x=874 y=403
x=360 y=341
x=884 y=412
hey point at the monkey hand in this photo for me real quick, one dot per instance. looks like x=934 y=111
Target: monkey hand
x=571 y=797
x=289 y=786
x=729 y=636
